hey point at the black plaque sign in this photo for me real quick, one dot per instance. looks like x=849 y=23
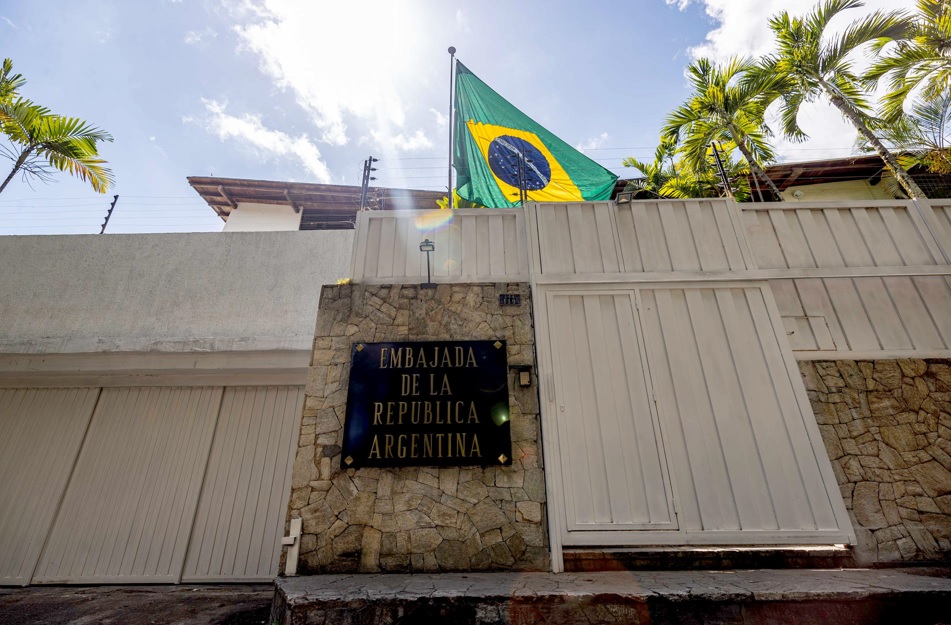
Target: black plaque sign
x=432 y=403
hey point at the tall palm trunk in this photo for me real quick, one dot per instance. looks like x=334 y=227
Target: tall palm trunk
x=751 y=160
x=904 y=178
x=16 y=168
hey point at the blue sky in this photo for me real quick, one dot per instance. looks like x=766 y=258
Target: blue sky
x=305 y=90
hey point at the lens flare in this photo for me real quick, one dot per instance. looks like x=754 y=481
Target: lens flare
x=434 y=219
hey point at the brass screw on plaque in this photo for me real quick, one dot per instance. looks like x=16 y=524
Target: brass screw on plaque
x=497 y=344
x=359 y=347
x=348 y=460
x=503 y=458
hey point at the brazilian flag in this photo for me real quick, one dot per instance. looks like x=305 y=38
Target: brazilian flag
x=499 y=149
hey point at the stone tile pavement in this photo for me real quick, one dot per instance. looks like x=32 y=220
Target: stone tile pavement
x=187 y=604
x=656 y=597
x=748 y=597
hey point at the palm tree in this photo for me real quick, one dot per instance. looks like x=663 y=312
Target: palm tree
x=921 y=58
x=808 y=68
x=10 y=83
x=656 y=174
x=724 y=107
x=923 y=135
x=40 y=140
x=677 y=179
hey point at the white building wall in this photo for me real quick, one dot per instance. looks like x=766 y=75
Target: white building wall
x=829 y=191
x=165 y=292
x=252 y=217
x=140 y=344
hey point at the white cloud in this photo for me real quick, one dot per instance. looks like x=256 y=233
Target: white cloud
x=830 y=136
x=403 y=142
x=193 y=36
x=8 y=21
x=441 y=118
x=250 y=130
x=741 y=28
x=344 y=62
x=742 y=25
x=593 y=143
x=462 y=20
x=243 y=9
x=157 y=146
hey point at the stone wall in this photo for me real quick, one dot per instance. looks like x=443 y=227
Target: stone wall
x=420 y=518
x=887 y=427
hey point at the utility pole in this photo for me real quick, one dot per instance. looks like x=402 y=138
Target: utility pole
x=726 y=181
x=367 y=168
x=115 y=199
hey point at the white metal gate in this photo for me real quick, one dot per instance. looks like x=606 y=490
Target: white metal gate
x=675 y=413
x=678 y=398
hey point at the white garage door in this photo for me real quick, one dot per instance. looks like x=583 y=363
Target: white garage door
x=144 y=484
x=41 y=431
x=240 y=519
x=130 y=504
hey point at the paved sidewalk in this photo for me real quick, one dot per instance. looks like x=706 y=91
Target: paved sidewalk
x=137 y=605
x=842 y=597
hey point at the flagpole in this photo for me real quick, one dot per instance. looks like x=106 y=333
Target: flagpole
x=452 y=129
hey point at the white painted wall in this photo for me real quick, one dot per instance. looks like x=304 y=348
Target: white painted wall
x=251 y=217
x=238 y=291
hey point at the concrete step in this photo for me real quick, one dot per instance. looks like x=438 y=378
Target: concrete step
x=708 y=558
x=741 y=597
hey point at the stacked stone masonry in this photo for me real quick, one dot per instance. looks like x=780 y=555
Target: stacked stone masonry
x=420 y=518
x=887 y=427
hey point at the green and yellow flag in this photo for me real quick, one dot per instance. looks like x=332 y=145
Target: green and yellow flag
x=499 y=149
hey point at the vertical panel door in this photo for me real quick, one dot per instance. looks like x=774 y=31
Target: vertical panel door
x=131 y=501
x=41 y=430
x=612 y=459
x=240 y=517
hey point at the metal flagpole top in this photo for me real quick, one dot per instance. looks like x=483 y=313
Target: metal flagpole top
x=452 y=58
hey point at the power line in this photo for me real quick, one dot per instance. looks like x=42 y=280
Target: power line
x=87 y=211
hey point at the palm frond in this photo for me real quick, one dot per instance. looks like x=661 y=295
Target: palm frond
x=918 y=63
x=874 y=27
x=789 y=115
x=10 y=83
x=66 y=143
x=19 y=119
